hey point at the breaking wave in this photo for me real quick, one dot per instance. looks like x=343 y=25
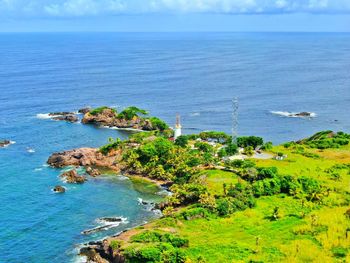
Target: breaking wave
x=293 y=114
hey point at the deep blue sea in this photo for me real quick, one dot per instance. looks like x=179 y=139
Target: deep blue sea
x=193 y=74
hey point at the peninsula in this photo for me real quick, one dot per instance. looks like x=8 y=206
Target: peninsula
x=227 y=203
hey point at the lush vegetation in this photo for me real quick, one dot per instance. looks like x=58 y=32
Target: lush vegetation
x=99 y=110
x=327 y=139
x=131 y=112
x=290 y=209
x=158 y=124
x=112 y=145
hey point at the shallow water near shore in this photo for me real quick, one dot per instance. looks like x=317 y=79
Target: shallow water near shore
x=195 y=75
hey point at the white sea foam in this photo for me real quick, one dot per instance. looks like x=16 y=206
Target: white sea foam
x=44 y=116
x=292 y=114
x=194 y=114
x=104 y=225
x=38 y=169
x=122 y=177
x=30 y=150
x=121 y=129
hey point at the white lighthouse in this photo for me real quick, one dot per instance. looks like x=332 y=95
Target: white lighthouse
x=177 y=130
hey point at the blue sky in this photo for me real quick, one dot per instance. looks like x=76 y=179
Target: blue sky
x=175 y=15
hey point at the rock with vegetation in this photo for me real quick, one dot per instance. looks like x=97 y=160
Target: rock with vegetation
x=129 y=118
x=73 y=177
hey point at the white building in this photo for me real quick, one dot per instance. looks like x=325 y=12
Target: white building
x=177 y=130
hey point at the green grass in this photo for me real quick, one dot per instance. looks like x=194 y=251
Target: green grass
x=214 y=179
x=305 y=231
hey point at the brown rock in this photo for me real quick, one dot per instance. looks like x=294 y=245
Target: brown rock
x=68 y=117
x=73 y=177
x=85 y=157
x=84 y=110
x=107 y=118
x=4 y=143
x=92 y=171
x=59 y=189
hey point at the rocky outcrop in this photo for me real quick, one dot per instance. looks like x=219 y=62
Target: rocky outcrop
x=85 y=157
x=4 y=143
x=73 y=177
x=59 y=189
x=69 y=118
x=303 y=114
x=101 y=252
x=92 y=171
x=84 y=110
x=107 y=117
x=64 y=116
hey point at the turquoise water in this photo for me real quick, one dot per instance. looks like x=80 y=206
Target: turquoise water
x=195 y=75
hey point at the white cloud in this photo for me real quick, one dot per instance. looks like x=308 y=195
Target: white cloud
x=111 y=7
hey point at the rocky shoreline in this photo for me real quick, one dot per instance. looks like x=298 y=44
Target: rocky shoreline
x=92 y=159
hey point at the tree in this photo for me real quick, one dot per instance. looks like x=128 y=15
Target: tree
x=231 y=149
x=247 y=141
x=158 y=124
x=131 y=112
x=181 y=141
x=249 y=150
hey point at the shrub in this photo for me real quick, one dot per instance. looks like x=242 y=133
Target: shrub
x=215 y=135
x=340 y=252
x=267 y=172
x=115 y=244
x=181 y=141
x=158 y=124
x=327 y=139
x=131 y=112
x=247 y=141
x=147 y=237
x=198 y=212
x=231 y=149
x=99 y=110
x=267 y=146
x=204 y=147
x=107 y=148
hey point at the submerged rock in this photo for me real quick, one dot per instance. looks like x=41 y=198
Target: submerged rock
x=303 y=114
x=73 y=177
x=69 y=118
x=53 y=114
x=59 y=189
x=64 y=116
x=111 y=219
x=4 y=143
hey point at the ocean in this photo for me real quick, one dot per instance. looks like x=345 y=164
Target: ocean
x=194 y=74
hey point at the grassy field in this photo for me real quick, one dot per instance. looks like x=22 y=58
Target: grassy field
x=305 y=231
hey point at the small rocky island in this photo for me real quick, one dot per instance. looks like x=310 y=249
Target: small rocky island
x=4 y=143
x=132 y=118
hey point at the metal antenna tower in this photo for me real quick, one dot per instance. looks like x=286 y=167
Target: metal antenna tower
x=234 y=120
